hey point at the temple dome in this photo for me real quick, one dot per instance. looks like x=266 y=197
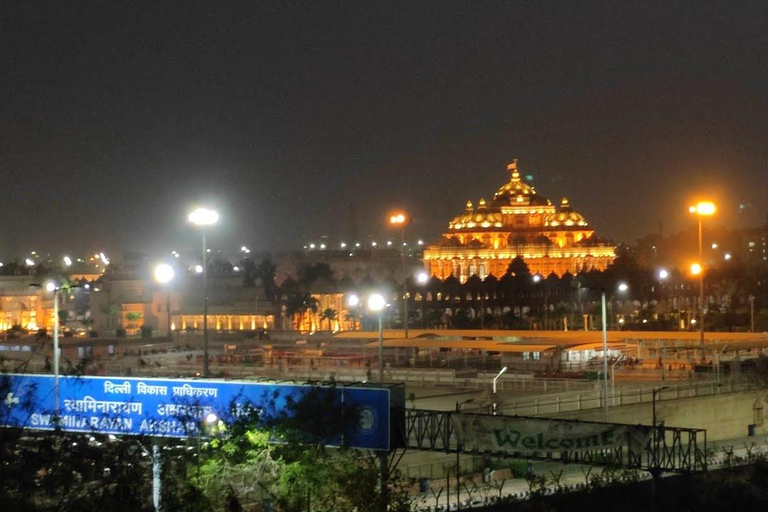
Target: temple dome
x=481 y=218
x=516 y=192
x=565 y=216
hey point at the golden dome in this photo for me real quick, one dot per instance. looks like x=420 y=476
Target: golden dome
x=476 y=219
x=516 y=192
x=565 y=216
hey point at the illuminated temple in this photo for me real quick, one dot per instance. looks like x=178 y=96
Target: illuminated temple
x=517 y=221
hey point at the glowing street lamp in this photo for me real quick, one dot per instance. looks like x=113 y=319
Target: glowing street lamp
x=353 y=302
x=376 y=303
x=422 y=278
x=701 y=209
x=164 y=274
x=202 y=218
x=400 y=219
x=52 y=287
x=622 y=287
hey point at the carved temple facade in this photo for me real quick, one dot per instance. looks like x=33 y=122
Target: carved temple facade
x=517 y=221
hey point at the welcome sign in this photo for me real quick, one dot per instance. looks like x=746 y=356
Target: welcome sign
x=172 y=408
x=511 y=435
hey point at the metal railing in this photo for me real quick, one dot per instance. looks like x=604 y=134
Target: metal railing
x=593 y=399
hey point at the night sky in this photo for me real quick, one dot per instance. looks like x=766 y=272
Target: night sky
x=302 y=119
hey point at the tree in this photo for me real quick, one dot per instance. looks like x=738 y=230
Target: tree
x=298 y=305
x=329 y=315
x=309 y=274
x=284 y=457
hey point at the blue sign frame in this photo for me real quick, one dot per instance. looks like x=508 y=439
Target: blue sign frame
x=174 y=407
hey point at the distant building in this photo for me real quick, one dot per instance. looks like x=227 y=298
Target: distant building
x=130 y=303
x=517 y=221
x=755 y=245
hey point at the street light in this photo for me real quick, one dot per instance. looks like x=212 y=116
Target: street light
x=496 y=378
x=622 y=287
x=422 y=278
x=702 y=209
x=164 y=274
x=51 y=287
x=209 y=420
x=400 y=219
x=203 y=217
x=376 y=303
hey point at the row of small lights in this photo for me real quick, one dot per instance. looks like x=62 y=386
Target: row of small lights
x=357 y=245
x=66 y=260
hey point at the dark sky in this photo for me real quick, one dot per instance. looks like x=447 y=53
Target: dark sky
x=301 y=119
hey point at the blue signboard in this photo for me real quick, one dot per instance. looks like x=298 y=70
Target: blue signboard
x=174 y=408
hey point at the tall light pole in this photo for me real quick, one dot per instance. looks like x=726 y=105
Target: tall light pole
x=400 y=219
x=376 y=303
x=496 y=378
x=422 y=278
x=164 y=274
x=51 y=287
x=702 y=209
x=203 y=217
x=622 y=287
x=353 y=303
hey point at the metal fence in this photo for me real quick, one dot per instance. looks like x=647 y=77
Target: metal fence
x=593 y=399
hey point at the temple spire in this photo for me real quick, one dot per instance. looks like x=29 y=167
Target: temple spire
x=512 y=167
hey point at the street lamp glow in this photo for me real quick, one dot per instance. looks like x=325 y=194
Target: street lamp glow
x=422 y=278
x=164 y=273
x=50 y=286
x=103 y=258
x=663 y=274
x=67 y=261
x=353 y=301
x=397 y=218
x=696 y=269
x=703 y=208
x=198 y=269
x=29 y=262
x=376 y=302
x=727 y=256
x=211 y=418
x=623 y=287
x=203 y=217
x=536 y=278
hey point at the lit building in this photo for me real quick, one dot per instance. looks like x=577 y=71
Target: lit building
x=517 y=221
